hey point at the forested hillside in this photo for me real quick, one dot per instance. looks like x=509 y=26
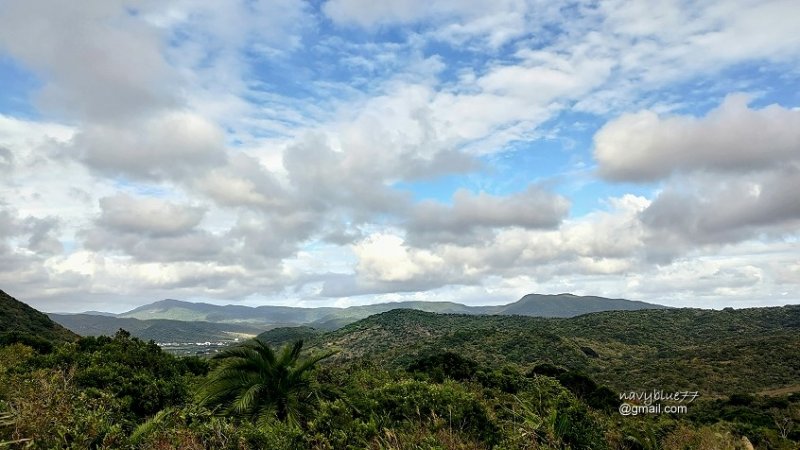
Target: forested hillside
x=718 y=352
x=20 y=321
x=412 y=380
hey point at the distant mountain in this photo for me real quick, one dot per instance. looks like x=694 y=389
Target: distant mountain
x=568 y=305
x=562 y=305
x=159 y=330
x=20 y=319
x=189 y=311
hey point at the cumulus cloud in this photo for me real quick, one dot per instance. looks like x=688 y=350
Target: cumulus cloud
x=150 y=229
x=730 y=138
x=725 y=175
x=384 y=257
x=197 y=246
x=102 y=61
x=469 y=213
x=25 y=143
x=6 y=159
x=714 y=210
x=243 y=182
x=173 y=145
x=26 y=242
x=603 y=243
x=147 y=216
x=250 y=171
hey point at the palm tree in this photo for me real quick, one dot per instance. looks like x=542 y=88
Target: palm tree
x=255 y=382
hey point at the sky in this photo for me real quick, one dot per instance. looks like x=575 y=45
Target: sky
x=347 y=152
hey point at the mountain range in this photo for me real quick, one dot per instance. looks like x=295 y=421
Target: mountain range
x=715 y=352
x=179 y=321
x=561 y=305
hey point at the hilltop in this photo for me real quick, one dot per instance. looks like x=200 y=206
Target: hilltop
x=568 y=305
x=19 y=319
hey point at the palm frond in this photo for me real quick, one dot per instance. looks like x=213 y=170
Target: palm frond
x=151 y=425
x=253 y=380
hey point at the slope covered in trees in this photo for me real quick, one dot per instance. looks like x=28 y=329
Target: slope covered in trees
x=413 y=380
x=718 y=352
x=19 y=321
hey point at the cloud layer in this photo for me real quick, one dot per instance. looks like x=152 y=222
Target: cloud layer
x=352 y=152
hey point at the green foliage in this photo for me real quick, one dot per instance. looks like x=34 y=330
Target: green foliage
x=281 y=336
x=713 y=352
x=194 y=427
x=439 y=366
x=39 y=344
x=403 y=381
x=254 y=382
x=51 y=412
x=139 y=374
x=436 y=405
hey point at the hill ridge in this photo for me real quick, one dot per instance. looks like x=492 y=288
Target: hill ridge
x=716 y=351
x=545 y=305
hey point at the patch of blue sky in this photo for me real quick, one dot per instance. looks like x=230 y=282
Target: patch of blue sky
x=767 y=83
x=561 y=149
x=592 y=194
x=140 y=189
x=18 y=87
x=338 y=59
x=457 y=60
x=70 y=245
x=286 y=77
x=439 y=189
x=544 y=162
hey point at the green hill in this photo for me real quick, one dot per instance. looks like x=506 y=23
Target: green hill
x=715 y=352
x=19 y=319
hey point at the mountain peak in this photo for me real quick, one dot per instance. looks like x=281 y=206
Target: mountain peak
x=569 y=305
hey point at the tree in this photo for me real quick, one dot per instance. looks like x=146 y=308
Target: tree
x=255 y=382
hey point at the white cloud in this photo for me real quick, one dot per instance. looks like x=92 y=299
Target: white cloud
x=532 y=208
x=173 y=145
x=223 y=167
x=101 y=62
x=383 y=257
x=147 y=216
x=493 y=23
x=730 y=138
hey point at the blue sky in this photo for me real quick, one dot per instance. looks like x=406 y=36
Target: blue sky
x=346 y=152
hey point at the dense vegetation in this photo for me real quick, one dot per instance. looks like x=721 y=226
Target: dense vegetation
x=412 y=380
x=716 y=352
